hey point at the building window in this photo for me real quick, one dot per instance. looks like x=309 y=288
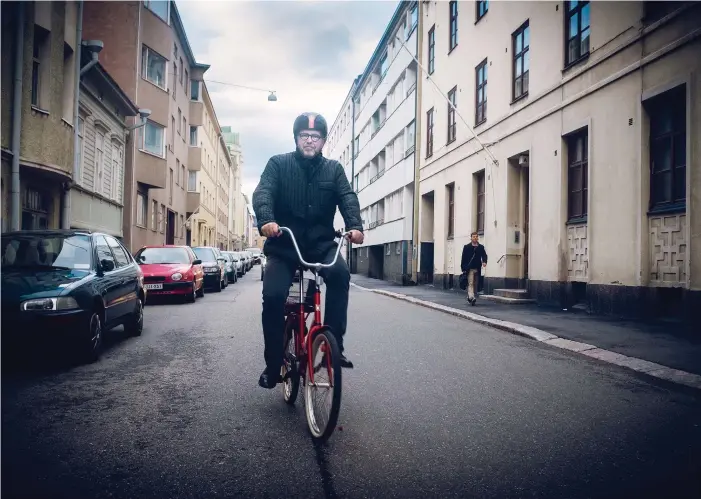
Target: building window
x=154 y=215
x=521 y=44
x=577 y=170
x=479 y=184
x=451 y=209
x=667 y=113
x=384 y=65
x=159 y=7
x=178 y=180
x=182 y=176
x=182 y=68
x=99 y=162
x=175 y=79
x=482 y=8
x=184 y=127
x=153 y=67
x=453 y=24
x=172 y=132
x=40 y=67
x=432 y=50
x=171 y=187
x=194 y=90
x=192 y=181
x=141 y=207
x=193 y=135
x=81 y=135
x=180 y=122
x=117 y=162
x=414 y=19
x=187 y=79
x=451 y=114
x=429 y=133
x=481 y=93
x=577 y=28
x=154 y=139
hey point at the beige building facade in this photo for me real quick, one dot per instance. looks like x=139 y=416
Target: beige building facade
x=237 y=203
x=39 y=45
x=596 y=194
x=148 y=54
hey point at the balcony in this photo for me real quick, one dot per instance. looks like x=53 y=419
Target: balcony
x=196 y=113
x=193 y=201
x=151 y=170
x=194 y=158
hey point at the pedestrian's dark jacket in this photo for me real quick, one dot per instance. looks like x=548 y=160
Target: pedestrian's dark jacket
x=302 y=194
x=468 y=262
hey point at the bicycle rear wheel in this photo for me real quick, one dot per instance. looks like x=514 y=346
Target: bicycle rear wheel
x=322 y=415
x=289 y=370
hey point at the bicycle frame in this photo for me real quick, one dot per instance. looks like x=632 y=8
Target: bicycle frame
x=303 y=342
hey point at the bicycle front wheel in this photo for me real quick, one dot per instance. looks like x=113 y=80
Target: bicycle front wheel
x=322 y=398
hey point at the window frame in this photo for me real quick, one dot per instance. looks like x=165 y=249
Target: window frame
x=478 y=5
x=145 y=52
x=524 y=54
x=429 y=132
x=452 y=25
x=480 y=200
x=481 y=86
x=450 y=188
x=432 y=49
x=583 y=166
x=163 y=140
x=568 y=15
x=452 y=123
x=148 y=3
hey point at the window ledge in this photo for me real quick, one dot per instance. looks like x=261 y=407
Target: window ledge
x=520 y=98
x=152 y=154
x=40 y=110
x=576 y=62
x=671 y=209
x=450 y=50
x=67 y=123
x=164 y=90
x=577 y=221
x=480 y=123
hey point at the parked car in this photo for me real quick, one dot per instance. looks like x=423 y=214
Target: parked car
x=70 y=285
x=238 y=260
x=230 y=266
x=255 y=255
x=171 y=271
x=213 y=264
x=249 y=260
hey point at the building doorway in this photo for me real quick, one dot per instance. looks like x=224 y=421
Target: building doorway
x=170 y=228
x=36 y=207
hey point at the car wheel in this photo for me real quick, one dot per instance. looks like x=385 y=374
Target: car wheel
x=218 y=288
x=135 y=325
x=200 y=292
x=92 y=347
x=191 y=297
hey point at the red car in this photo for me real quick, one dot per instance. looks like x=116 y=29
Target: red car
x=171 y=270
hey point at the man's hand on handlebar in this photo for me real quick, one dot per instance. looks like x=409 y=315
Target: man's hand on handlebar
x=271 y=229
x=356 y=237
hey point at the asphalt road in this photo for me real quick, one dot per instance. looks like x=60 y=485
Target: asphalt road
x=436 y=407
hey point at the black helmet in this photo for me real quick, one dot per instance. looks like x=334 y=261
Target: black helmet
x=310 y=121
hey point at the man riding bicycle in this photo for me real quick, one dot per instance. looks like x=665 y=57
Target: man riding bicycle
x=301 y=190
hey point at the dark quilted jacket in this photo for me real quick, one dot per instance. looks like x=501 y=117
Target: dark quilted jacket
x=301 y=194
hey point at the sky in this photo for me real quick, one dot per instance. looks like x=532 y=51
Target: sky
x=308 y=52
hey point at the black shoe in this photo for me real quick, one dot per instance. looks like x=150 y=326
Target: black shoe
x=268 y=381
x=345 y=363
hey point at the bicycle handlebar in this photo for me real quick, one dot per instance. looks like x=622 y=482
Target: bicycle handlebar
x=317 y=266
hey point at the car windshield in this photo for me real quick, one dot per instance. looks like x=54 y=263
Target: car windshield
x=163 y=256
x=205 y=254
x=46 y=250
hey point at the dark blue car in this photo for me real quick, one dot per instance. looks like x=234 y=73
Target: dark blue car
x=68 y=285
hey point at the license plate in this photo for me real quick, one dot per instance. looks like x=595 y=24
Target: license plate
x=153 y=286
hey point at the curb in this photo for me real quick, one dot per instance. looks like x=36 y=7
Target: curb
x=639 y=365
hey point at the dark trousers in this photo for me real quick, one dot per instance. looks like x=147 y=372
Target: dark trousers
x=277 y=281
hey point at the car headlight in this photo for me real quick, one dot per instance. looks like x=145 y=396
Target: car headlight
x=49 y=304
x=177 y=276
x=211 y=269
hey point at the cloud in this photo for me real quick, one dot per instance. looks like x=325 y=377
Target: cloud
x=308 y=52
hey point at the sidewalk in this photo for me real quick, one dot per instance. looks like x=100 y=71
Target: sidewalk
x=659 y=342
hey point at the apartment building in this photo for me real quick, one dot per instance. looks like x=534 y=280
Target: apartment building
x=202 y=189
x=223 y=197
x=595 y=195
x=97 y=193
x=148 y=54
x=384 y=165
x=237 y=204
x=38 y=95
x=339 y=146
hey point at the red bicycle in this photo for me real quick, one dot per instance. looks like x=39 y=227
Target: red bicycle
x=299 y=363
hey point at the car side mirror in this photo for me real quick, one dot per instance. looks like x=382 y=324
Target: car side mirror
x=107 y=265
x=221 y=260
x=197 y=262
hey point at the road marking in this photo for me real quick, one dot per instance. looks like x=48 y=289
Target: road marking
x=592 y=351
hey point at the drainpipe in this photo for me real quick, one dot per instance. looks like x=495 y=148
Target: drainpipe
x=17 y=119
x=66 y=222
x=348 y=248
x=417 y=152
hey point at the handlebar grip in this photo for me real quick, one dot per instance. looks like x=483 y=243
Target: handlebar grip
x=339 y=233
